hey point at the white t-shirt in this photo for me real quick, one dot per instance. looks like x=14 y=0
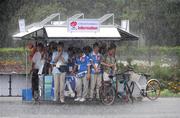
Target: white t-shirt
x=37 y=60
x=59 y=63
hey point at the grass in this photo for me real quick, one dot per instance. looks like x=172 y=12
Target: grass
x=20 y=49
x=168 y=93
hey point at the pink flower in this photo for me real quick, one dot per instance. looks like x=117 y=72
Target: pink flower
x=73 y=24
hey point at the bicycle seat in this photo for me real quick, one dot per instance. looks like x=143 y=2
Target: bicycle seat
x=111 y=76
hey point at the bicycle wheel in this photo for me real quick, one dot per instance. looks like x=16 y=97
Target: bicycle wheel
x=107 y=95
x=153 y=89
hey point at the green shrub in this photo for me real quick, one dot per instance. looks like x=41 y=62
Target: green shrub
x=10 y=50
x=168 y=93
x=12 y=55
x=162 y=72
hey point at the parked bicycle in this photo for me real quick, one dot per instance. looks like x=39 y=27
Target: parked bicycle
x=150 y=89
x=110 y=90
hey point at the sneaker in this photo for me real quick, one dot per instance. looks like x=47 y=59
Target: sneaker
x=90 y=99
x=55 y=99
x=61 y=100
x=72 y=94
x=33 y=99
x=82 y=100
x=77 y=99
x=97 y=97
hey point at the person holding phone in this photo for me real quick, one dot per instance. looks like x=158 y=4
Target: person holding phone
x=60 y=68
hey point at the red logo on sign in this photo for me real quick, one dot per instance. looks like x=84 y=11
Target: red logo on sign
x=73 y=24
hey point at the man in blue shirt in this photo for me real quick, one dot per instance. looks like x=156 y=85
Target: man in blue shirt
x=83 y=76
x=96 y=72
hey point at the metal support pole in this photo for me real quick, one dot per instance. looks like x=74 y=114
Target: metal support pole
x=10 y=87
x=59 y=17
x=83 y=15
x=113 y=19
x=26 y=71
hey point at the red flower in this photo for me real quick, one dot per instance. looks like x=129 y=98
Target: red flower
x=73 y=24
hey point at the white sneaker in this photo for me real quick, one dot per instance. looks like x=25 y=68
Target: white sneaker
x=54 y=99
x=82 y=100
x=72 y=94
x=62 y=101
x=77 y=99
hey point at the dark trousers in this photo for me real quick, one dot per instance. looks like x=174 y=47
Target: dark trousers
x=35 y=82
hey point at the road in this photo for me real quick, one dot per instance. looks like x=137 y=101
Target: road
x=161 y=108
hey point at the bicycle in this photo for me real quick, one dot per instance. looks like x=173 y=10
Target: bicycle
x=107 y=93
x=125 y=95
x=150 y=89
x=109 y=90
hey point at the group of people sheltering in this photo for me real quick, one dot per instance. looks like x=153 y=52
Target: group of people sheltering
x=89 y=65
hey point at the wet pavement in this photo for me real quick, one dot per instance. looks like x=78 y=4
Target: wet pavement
x=161 y=108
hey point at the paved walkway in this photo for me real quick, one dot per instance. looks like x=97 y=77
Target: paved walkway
x=162 y=108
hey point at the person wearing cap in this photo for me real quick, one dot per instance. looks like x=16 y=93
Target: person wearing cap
x=83 y=76
x=60 y=59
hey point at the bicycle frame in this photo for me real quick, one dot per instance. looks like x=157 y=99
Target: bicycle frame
x=142 y=90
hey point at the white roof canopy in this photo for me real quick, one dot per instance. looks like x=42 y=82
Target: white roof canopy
x=28 y=31
x=59 y=31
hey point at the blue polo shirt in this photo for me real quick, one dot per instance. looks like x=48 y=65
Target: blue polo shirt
x=96 y=60
x=82 y=63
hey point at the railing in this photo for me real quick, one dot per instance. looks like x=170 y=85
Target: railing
x=11 y=85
